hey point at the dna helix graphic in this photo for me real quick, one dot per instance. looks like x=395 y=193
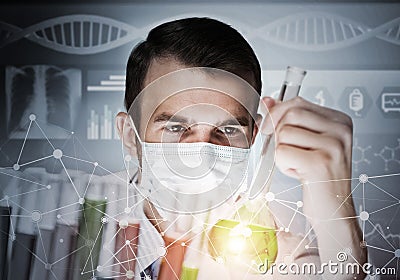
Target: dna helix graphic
x=315 y=31
x=73 y=34
x=90 y=34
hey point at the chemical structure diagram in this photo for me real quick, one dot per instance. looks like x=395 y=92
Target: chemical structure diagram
x=390 y=154
x=359 y=154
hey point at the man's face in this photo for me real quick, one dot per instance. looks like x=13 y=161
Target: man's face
x=195 y=115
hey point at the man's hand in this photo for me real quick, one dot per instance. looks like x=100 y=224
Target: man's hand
x=314 y=145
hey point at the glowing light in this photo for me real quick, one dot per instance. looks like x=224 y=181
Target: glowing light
x=236 y=244
x=247 y=232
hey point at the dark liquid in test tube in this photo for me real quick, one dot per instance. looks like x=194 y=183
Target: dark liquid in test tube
x=46 y=202
x=25 y=239
x=288 y=90
x=5 y=213
x=64 y=243
x=21 y=259
x=42 y=250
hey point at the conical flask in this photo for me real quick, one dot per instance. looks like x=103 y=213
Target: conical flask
x=246 y=241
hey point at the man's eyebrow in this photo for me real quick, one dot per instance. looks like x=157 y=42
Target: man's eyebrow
x=165 y=117
x=168 y=117
x=242 y=120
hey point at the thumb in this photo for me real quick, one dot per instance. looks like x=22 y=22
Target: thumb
x=269 y=102
x=266 y=104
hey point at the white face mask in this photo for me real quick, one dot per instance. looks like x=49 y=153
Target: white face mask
x=192 y=177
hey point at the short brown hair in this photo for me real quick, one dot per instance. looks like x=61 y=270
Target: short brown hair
x=195 y=42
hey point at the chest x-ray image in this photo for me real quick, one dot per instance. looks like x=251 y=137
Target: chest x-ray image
x=44 y=93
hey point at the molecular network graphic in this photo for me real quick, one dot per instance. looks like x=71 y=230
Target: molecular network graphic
x=104 y=214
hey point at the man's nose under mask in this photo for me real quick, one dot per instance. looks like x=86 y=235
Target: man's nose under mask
x=192 y=177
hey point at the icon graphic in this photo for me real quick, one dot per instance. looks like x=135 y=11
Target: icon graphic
x=318 y=95
x=356 y=101
x=390 y=102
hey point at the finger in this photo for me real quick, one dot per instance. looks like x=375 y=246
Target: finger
x=316 y=123
x=269 y=102
x=319 y=124
x=281 y=109
x=266 y=103
x=298 y=137
x=304 y=138
x=300 y=163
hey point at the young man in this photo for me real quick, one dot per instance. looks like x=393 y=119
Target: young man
x=313 y=143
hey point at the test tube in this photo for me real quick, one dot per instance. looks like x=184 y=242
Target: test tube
x=290 y=89
x=127 y=236
x=292 y=83
x=25 y=239
x=11 y=200
x=66 y=232
x=176 y=239
x=90 y=230
x=193 y=257
x=106 y=268
x=194 y=254
x=5 y=218
x=5 y=213
x=171 y=264
x=46 y=202
x=127 y=245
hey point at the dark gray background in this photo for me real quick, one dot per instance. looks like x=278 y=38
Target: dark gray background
x=372 y=64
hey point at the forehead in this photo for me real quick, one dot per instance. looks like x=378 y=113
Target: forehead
x=168 y=81
x=203 y=106
x=161 y=67
x=201 y=98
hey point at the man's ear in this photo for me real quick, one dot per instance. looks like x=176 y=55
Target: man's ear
x=126 y=132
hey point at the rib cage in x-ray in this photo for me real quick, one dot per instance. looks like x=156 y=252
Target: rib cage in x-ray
x=21 y=95
x=58 y=98
x=51 y=93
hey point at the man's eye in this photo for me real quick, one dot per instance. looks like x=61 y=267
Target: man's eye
x=176 y=128
x=230 y=130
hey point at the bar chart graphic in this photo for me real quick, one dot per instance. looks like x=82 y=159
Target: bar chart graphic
x=113 y=83
x=100 y=125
